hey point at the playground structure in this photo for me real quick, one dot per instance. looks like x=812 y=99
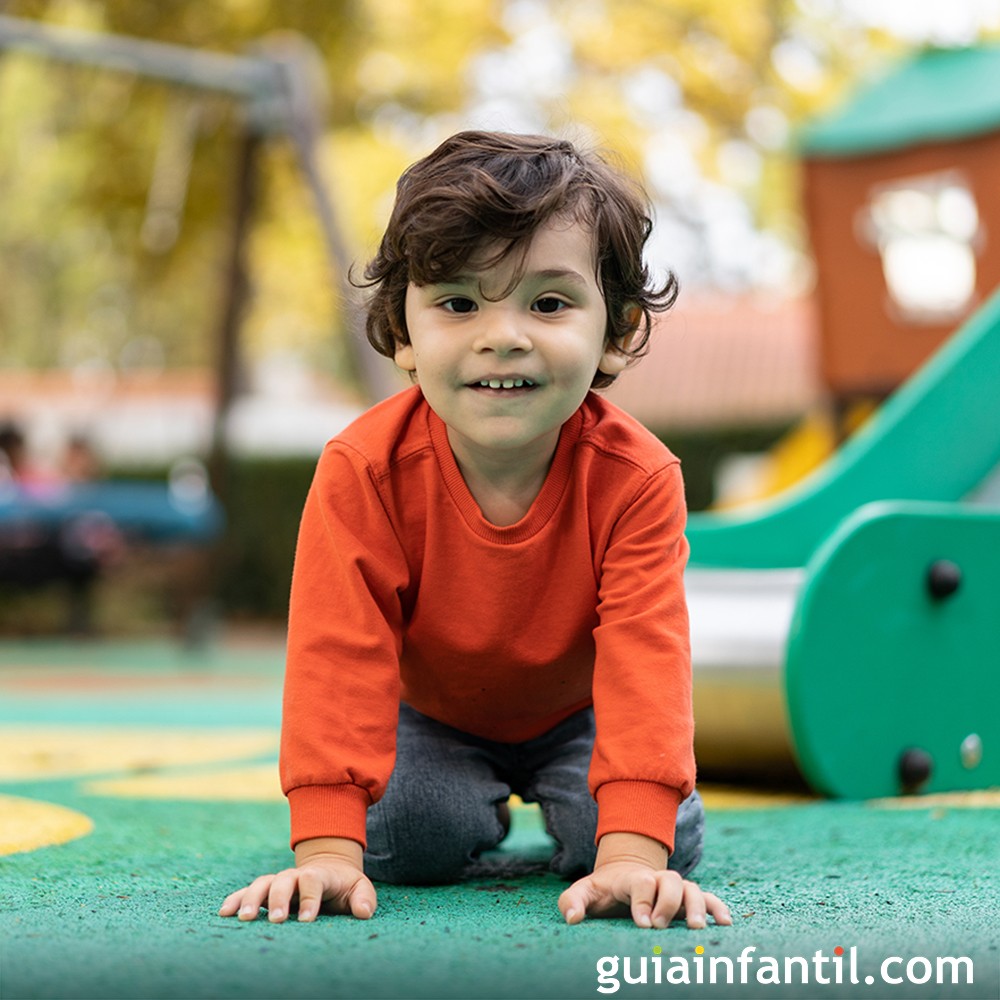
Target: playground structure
x=850 y=619
x=846 y=627
x=901 y=205
x=902 y=208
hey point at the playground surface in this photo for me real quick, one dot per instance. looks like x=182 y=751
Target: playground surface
x=138 y=787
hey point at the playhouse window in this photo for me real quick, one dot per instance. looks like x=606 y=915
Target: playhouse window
x=927 y=232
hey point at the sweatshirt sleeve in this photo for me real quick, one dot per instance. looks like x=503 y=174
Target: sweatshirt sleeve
x=643 y=763
x=341 y=697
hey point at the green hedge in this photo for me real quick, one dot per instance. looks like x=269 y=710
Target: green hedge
x=264 y=503
x=253 y=562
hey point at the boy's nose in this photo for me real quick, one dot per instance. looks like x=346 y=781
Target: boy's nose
x=501 y=333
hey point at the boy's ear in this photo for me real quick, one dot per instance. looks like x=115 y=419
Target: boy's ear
x=615 y=360
x=404 y=357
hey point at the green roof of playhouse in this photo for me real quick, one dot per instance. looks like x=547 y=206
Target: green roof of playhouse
x=938 y=94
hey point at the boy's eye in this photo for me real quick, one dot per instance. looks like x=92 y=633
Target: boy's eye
x=549 y=305
x=458 y=305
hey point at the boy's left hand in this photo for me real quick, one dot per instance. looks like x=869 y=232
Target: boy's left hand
x=652 y=897
x=630 y=877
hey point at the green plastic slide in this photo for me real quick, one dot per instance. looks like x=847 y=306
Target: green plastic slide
x=936 y=439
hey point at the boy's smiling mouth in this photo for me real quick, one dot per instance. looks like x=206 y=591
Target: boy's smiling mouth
x=507 y=384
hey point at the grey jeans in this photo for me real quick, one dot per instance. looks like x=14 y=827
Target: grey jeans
x=439 y=811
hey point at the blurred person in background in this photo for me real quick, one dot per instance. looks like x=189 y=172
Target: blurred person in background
x=36 y=551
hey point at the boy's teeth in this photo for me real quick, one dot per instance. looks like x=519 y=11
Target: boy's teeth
x=506 y=383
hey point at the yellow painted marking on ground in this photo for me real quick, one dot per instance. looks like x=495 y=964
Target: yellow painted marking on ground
x=30 y=752
x=721 y=797
x=26 y=824
x=987 y=798
x=258 y=783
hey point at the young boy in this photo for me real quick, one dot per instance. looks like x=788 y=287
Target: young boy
x=487 y=596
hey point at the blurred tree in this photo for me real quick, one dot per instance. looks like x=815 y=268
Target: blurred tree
x=118 y=187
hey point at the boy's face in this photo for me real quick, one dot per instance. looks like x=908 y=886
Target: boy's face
x=505 y=375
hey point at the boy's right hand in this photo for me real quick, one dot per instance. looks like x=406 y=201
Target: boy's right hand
x=321 y=878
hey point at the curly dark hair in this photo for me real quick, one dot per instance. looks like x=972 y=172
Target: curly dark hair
x=486 y=188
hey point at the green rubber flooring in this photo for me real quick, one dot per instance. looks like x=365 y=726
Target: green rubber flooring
x=130 y=737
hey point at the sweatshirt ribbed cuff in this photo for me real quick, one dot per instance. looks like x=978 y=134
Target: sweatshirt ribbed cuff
x=643 y=807
x=328 y=811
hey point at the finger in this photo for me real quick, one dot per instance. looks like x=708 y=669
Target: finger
x=362 y=899
x=310 y=895
x=669 y=894
x=694 y=906
x=642 y=895
x=279 y=900
x=231 y=903
x=252 y=897
x=720 y=912
x=574 y=901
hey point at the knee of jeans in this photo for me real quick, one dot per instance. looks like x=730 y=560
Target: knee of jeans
x=415 y=867
x=427 y=846
x=574 y=863
x=689 y=836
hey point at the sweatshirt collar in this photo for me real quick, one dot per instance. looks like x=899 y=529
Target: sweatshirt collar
x=544 y=505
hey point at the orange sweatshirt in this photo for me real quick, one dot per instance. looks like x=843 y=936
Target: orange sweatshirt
x=403 y=590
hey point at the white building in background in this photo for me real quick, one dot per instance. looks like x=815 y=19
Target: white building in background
x=152 y=418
